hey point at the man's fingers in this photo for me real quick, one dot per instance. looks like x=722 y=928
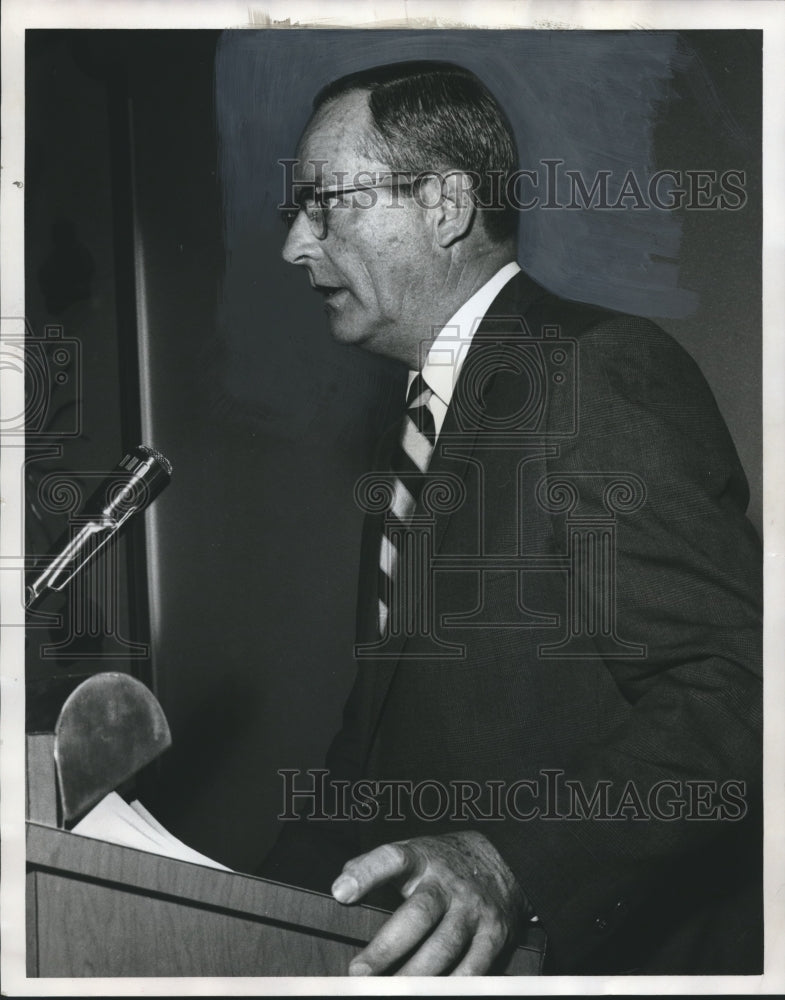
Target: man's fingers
x=443 y=947
x=478 y=959
x=460 y=903
x=411 y=922
x=390 y=861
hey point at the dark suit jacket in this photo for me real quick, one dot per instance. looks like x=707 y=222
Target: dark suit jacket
x=593 y=598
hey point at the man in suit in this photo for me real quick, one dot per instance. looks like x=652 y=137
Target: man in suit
x=557 y=711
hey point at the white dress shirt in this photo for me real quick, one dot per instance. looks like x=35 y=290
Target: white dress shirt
x=448 y=351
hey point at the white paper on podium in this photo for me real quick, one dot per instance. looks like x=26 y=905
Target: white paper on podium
x=117 y=822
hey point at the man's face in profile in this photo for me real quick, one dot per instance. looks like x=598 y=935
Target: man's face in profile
x=374 y=265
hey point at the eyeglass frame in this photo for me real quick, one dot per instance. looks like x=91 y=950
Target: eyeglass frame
x=290 y=215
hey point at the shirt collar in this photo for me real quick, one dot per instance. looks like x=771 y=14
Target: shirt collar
x=448 y=351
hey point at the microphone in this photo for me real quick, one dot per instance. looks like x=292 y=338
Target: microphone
x=130 y=487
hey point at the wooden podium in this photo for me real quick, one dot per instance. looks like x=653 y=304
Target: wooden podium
x=98 y=909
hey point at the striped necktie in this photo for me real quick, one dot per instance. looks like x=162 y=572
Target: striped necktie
x=410 y=465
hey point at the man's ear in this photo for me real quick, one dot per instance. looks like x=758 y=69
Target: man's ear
x=455 y=211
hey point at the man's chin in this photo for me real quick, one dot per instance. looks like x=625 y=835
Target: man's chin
x=343 y=331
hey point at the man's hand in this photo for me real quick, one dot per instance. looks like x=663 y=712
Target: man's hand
x=462 y=905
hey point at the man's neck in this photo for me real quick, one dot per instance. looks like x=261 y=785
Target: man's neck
x=468 y=277
x=463 y=279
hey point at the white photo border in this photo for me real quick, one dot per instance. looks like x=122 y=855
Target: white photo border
x=20 y=15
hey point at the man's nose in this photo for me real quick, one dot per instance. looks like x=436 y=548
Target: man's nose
x=301 y=245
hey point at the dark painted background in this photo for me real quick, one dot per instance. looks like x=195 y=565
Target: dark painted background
x=159 y=150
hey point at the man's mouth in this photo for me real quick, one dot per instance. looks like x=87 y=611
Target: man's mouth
x=328 y=292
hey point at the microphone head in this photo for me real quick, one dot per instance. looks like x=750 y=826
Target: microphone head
x=166 y=465
x=138 y=479
x=131 y=486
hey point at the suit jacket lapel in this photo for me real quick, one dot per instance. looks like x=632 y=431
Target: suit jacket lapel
x=502 y=324
x=457 y=440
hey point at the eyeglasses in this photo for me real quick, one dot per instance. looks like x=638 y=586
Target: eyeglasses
x=316 y=202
